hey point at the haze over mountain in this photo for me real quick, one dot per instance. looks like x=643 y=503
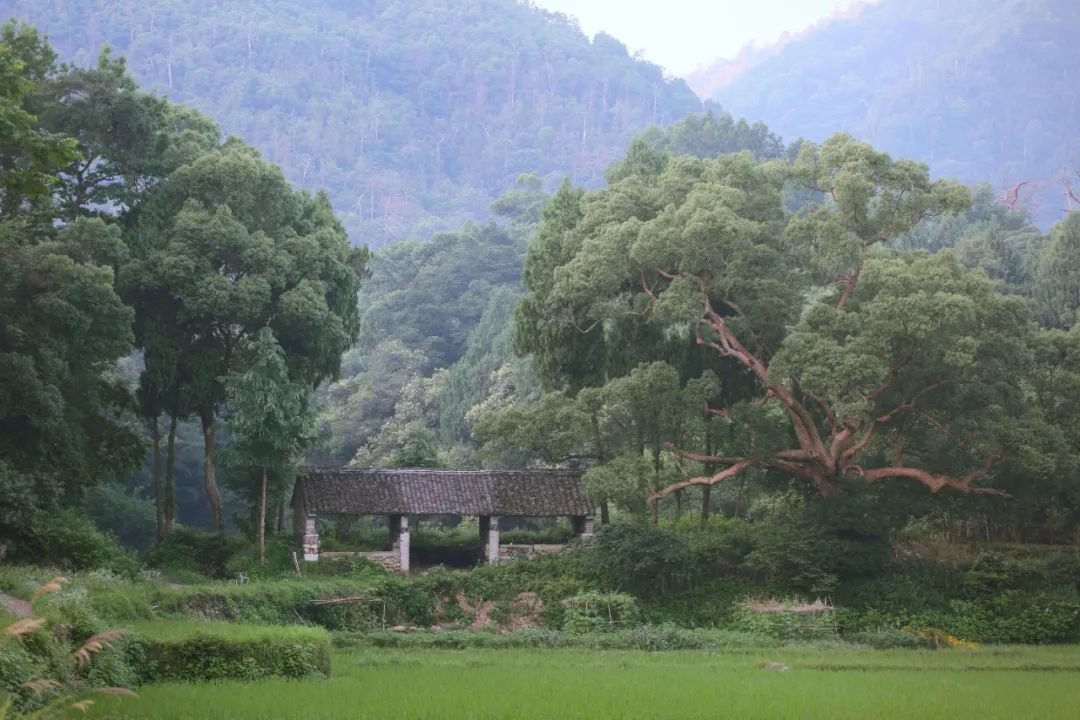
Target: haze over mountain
x=413 y=115
x=709 y=78
x=980 y=91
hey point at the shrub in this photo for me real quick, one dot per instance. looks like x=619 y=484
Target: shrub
x=791 y=620
x=48 y=662
x=194 y=551
x=599 y=612
x=187 y=650
x=118 y=511
x=373 y=600
x=70 y=541
x=244 y=559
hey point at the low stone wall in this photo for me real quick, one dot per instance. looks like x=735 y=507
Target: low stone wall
x=513 y=552
x=389 y=559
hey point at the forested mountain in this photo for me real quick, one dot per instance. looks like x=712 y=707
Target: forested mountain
x=980 y=91
x=435 y=353
x=413 y=115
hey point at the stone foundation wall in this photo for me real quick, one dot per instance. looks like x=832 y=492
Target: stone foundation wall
x=389 y=559
x=513 y=552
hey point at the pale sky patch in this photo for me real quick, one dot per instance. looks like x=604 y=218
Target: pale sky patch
x=681 y=35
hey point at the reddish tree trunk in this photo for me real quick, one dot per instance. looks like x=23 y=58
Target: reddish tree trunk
x=821 y=458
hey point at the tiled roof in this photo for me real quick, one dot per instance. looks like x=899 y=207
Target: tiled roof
x=530 y=493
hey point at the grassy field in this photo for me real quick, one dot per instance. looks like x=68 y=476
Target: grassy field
x=1000 y=682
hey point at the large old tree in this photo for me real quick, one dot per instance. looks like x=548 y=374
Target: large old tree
x=224 y=247
x=864 y=362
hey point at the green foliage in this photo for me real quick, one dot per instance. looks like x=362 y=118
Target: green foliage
x=381 y=598
x=599 y=612
x=67 y=539
x=1058 y=275
x=650 y=638
x=185 y=650
x=74 y=653
x=122 y=513
x=188 y=550
x=31 y=155
x=787 y=623
x=686 y=291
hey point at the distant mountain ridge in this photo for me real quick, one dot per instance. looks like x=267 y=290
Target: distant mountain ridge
x=981 y=91
x=708 y=79
x=413 y=114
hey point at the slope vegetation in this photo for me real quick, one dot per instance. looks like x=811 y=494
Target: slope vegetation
x=413 y=115
x=980 y=91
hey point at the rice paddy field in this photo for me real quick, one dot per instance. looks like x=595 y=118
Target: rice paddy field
x=995 y=682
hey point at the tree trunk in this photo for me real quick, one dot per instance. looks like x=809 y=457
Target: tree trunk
x=656 y=487
x=710 y=469
x=678 y=504
x=159 y=509
x=281 y=514
x=605 y=514
x=170 y=477
x=213 y=496
x=262 y=519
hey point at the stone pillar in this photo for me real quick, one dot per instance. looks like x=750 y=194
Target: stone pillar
x=492 y=540
x=403 y=544
x=311 y=539
x=582 y=525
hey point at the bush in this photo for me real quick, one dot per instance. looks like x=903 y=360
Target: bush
x=194 y=650
x=193 y=551
x=70 y=541
x=599 y=612
x=788 y=621
x=46 y=653
x=116 y=510
x=376 y=599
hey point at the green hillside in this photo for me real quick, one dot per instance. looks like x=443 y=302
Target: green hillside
x=982 y=91
x=413 y=115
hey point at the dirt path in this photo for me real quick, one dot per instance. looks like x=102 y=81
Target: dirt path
x=17 y=607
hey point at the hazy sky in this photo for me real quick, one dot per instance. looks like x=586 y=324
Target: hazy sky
x=680 y=35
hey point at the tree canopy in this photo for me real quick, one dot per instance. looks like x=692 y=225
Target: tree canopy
x=865 y=363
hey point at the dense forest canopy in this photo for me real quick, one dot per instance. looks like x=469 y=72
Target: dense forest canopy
x=412 y=115
x=855 y=313
x=983 y=92
x=152 y=274
x=814 y=395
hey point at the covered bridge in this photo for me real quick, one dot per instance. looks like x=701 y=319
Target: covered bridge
x=397 y=494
